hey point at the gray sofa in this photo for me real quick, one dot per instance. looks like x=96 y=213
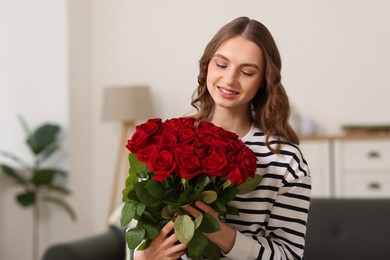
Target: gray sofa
x=338 y=229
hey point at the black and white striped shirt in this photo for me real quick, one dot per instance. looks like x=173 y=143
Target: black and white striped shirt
x=272 y=219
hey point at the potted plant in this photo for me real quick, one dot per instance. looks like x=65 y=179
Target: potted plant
x=38 y=182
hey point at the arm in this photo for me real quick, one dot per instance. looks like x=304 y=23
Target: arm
x=283 y=236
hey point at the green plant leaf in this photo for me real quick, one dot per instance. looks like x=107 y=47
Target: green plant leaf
x=144 y=196
x=212 y=252
x=201 y=182
x=43 y=176
x=151 y=230
x=184 y=228
x=60 y=202
x=127 y=213
x=145 y=244
x=209 y=196
x=250 y=184
x=155 y=189
x=42 y=137
x=198 y=220
x=167 y=212
x=26 y=199
x=134 y=236
x=209 y=224
x=219 y=206
x=59 y=189
x=197 y=245
x=232 y=210
x=16 y=159
x=14 y=174
x=228 y=194
x=49 y=151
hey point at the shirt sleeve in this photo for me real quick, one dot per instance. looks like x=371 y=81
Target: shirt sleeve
x=284 y=236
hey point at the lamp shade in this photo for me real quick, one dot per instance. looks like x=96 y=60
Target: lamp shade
x=128 y=103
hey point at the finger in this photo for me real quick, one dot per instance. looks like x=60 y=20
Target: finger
x=192 y=211
x=206 y=208
x=167 y=228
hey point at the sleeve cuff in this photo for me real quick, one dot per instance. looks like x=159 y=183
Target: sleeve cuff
x=242 y=248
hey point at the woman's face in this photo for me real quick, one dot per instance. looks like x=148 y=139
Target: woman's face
x=235 y=73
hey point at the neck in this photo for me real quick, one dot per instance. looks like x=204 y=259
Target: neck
x=238 y=123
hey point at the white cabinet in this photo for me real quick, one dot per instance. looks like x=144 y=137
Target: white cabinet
x=350 y=167
x=362 y=168
x=317 y=153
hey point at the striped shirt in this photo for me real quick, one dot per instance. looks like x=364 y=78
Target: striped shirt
x=272 y=219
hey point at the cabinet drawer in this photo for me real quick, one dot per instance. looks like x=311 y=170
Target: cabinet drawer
x=365 y=154
x=367 y=185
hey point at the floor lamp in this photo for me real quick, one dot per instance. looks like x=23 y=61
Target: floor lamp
x=126 y=105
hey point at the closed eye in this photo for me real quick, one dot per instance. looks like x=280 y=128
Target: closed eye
x=221 y=65
x=249 y=74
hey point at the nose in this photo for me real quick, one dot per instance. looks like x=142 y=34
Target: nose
x=231 y=77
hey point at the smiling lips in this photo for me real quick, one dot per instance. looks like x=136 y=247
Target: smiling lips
x=227 y=92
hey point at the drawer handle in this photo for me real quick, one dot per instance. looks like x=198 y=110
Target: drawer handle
x=374 y=186
x=374 y=154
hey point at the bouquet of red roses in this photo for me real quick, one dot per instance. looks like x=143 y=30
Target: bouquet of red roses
x=175 y=163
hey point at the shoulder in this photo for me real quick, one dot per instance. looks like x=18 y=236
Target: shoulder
x=289 y=162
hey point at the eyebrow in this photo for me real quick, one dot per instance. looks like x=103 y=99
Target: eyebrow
x=253 y=65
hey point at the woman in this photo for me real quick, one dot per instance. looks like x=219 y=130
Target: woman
x=240 y=90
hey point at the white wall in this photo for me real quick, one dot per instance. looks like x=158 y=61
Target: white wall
x=33 y=83
x=335 y=63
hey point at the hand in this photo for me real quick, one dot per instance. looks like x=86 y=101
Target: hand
x=163 y=246
x=224 y=238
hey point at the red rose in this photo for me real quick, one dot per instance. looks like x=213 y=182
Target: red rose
x=235 y=176
x=215 y=164
x=146 y=153
x=186 y=135
x=138 y=141
x=189 y=165
x=248 y=160
x=162 y=165
x=183 y=148
x=152 y=126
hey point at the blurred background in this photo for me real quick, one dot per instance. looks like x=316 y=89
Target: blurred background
x=57 y=57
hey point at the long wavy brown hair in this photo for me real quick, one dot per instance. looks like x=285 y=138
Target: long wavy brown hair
x=270 y=106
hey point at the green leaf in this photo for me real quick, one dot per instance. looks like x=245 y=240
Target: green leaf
x=219 y=206
x=57 y=188
x=145 y=244
x=16 y=159
x=228 y=194
x=184 y=228
x=62 y=204
x=12 y=173
x=26 y=199
x=250 y=184
x=49 y=151
x=151 y=230
x=42 y=177
x=232 y=210
x=209 y=196
x=197 y=245
x=42 y=137
x=137 y=169
x=144 y=196
x=167 y=212
x=201 y=182
x=127 y=213
x=155 y=189
x=183 y=196
x=209 y=224
x=212 y=252
x=134 y=237
x=198 y=220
